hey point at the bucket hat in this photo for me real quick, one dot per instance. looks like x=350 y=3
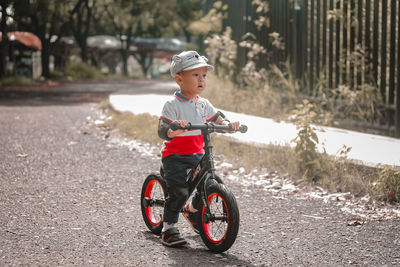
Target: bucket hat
x=188 y=60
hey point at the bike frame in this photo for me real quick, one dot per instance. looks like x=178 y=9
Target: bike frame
x=204 y=170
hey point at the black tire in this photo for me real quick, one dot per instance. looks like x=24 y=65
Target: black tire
x=152 y=202
x=219 y=235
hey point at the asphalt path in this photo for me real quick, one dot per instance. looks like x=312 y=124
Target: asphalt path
x=70 y=197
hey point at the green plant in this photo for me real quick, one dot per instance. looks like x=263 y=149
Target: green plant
x=16 y=81
x=250 y=75
x=82 y=71
x=310 y=163
x=222 y=50
x=212 y=21
x=387 y=186
x=56 y=75
x=262 y=8
x=344 y=104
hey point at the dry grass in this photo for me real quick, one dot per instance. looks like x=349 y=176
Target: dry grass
x=336 y=175
x=255 y=157
x=387 y=187
x=339 y=175
x=143 y=126
x=263 y=102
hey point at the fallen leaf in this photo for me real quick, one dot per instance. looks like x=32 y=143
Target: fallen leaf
x=355 y=221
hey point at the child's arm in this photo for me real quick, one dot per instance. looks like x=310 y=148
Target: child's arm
x=171 y=134
x=221 y=120
x=165 y=132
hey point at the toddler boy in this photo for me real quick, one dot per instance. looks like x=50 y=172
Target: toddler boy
x=183 y=149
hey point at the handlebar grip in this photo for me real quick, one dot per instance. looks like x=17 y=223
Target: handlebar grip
x=174 y=126
x=243 y=128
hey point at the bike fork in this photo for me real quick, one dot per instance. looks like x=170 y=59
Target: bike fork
x=208 y=216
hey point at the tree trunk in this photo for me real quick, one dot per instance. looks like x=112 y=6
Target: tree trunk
x=124 y=56
x=81 y=28
x=45 y=58
x=145 y=60
x=84 y=53
x=125 y=48
x=188 y=35
x=4 y=42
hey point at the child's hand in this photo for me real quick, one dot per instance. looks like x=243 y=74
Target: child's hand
x=172 y=134
x=234 y=125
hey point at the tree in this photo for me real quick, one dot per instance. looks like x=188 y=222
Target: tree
x=80 y=18
x=121 y=15
x=210 y=23
x=45 y=18
x=188 y=11
x=140 y=18
x=4 y=43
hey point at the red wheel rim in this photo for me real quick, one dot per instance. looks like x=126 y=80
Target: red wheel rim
x=216 y=231
x=149 y=193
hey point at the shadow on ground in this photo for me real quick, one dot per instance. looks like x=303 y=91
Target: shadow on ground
x=197 y=255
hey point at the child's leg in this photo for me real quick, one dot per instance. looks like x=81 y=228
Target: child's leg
x=175 y=175
x=175 y=200
x=177 y=196
x=196 y=200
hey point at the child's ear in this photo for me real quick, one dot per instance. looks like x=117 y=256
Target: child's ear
x=178 y=78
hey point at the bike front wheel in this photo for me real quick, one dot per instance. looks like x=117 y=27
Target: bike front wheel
x=219 y=229
x=152 y=202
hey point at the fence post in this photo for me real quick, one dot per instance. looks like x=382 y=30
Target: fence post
x=383 y=51
x=331 y=64
x=392 y=60
x=375 y=48
x=397 y=122
x=312 y=48
x=300 y=7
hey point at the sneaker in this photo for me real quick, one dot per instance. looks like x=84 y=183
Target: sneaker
x=191 y=217
x=172 y=238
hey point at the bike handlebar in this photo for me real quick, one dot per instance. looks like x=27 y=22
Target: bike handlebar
x=209 y=127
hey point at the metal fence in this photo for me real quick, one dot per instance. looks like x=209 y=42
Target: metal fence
x=354 y=42
x=338 y=42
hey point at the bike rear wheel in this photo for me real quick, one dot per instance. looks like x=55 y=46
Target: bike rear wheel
x=152 y=202
x=219 y=229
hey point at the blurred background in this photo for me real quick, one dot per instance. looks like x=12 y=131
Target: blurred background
x=331 y=62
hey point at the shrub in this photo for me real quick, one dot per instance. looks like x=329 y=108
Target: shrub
x=345 y=103
x=17 y=81
x=221 y=50
x=82 y=71
x=56 y=75
x=310 y=162
x=387 y=187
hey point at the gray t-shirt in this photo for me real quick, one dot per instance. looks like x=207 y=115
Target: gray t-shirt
x=195 y=112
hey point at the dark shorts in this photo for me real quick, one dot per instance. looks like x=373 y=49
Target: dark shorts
x=175 y=169
x=176 y=166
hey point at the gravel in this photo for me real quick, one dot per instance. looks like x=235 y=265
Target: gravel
x=69 y=196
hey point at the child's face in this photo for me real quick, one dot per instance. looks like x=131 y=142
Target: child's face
x=192 y=82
